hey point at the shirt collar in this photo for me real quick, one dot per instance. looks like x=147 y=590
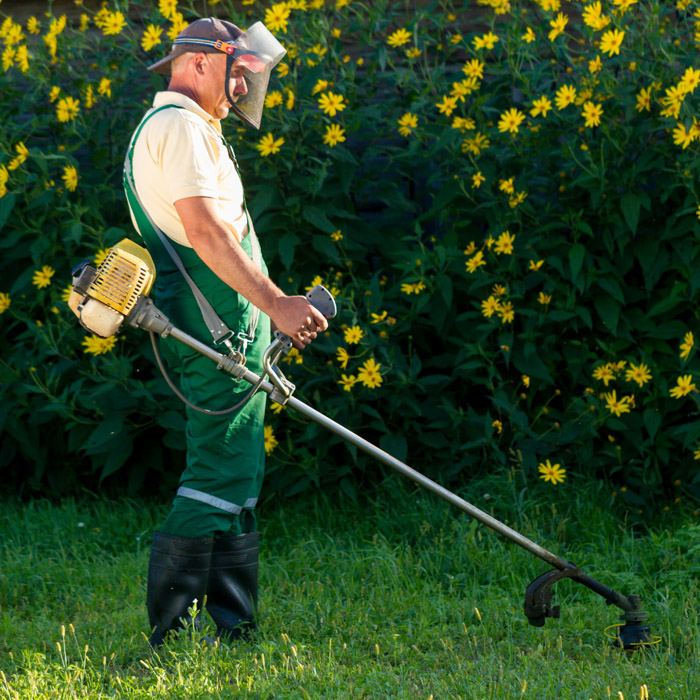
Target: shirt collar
x=169 y=97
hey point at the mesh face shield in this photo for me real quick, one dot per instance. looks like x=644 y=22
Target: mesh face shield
x=259 y=51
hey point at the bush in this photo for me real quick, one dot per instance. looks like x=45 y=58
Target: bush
x=502 y=199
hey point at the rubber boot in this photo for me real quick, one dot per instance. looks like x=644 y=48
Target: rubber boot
x=232 y=589
x=177 y=576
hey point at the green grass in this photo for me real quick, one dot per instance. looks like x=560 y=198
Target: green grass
x=376 y=599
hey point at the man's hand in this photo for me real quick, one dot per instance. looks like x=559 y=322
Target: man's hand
x=298 y=319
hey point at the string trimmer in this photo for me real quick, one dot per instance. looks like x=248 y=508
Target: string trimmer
x=115 y=295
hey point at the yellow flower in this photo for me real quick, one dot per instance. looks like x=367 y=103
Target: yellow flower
x=541 y=106
x=331 y=103
x=407 y=123
x=412 y=288
x=54 y=93
x=687 y=345
x=348 y=382
x=177 y=24
x=399 y=38
x=151 y=37
x=490 y=306
x=167 y=8
x=506 y=312
x=8 y=57
x=33 y=25
x=113 y=23
x=378 y=318
x=353 y=335
x=690 y=79
x=105 y=87
x=475 y=262
x=611 y=41
x=544 y=298
x=67 y=109
x=486 y=41
x=593 y=18
x=477 y=143
x=276 y=17
x=21 y=157
x=42 y=278
x=100 y=256
x=320 y=86
x=592 y=113
x=498 y=426
x=84 y=22
x=504 y=243
x=463 y=124
x=94 y=345
x=4 y=177
x=558 y=25
x=551 y=472
x=566 y=94
x=534 y=266
x=644 y=100
x=604 y=373
x=498 y=290
x=289 y=104
x=22 y=58
x=4 y=302
x=526 y=381
x=336 y=236
x=615 y=406
x=273 y=99
x=293 y=356
x=342 y=357
x=334 y=134
x=510 y=120
x=681 y=137
x=447 y=106
x=529 y=36
x=270 y=439
x=595 y=65
x=70 y=177
x=638 y=373
x=369 y=374
x=506 y=185
x=89 y=97
x=413 y=52
x=268 y=145
x=477 y=179
x=473 y=68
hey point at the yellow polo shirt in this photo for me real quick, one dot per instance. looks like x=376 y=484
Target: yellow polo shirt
x=179 y=154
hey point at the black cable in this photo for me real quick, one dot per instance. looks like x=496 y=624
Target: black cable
x=180 y=396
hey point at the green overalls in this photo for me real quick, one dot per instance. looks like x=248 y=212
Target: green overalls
x=220 y=485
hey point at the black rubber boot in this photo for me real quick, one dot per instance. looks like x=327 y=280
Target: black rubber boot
x=177 y=575
x=232 y=589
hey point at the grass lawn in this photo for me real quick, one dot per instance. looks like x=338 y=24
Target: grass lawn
x=396 y=596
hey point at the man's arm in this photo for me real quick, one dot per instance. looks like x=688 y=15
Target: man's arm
x=222 y=253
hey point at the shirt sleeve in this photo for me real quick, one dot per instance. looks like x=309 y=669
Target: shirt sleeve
x=188 y=159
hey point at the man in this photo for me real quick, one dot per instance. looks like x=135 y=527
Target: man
x=185 y=182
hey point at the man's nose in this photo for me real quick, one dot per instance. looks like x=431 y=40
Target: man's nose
x=241 y=88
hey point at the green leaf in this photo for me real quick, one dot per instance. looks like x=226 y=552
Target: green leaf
x=444 y=284
x=285 y=248
x=576 y=256
x=612 y=287
x=608 y=310
x=652 y=421
x=6 y=205
x=395 y=445
x=630 y=206
x=316 y=217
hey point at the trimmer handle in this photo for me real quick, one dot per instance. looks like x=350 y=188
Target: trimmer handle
x=322 y=300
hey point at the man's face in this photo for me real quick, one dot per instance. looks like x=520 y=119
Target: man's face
x=220 y=106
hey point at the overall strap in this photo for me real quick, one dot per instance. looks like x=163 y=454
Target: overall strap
x=219 y=330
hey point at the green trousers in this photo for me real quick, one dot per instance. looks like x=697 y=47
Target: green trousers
x=219 y=487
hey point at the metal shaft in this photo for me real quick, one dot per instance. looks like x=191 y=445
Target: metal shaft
x=609 y=594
